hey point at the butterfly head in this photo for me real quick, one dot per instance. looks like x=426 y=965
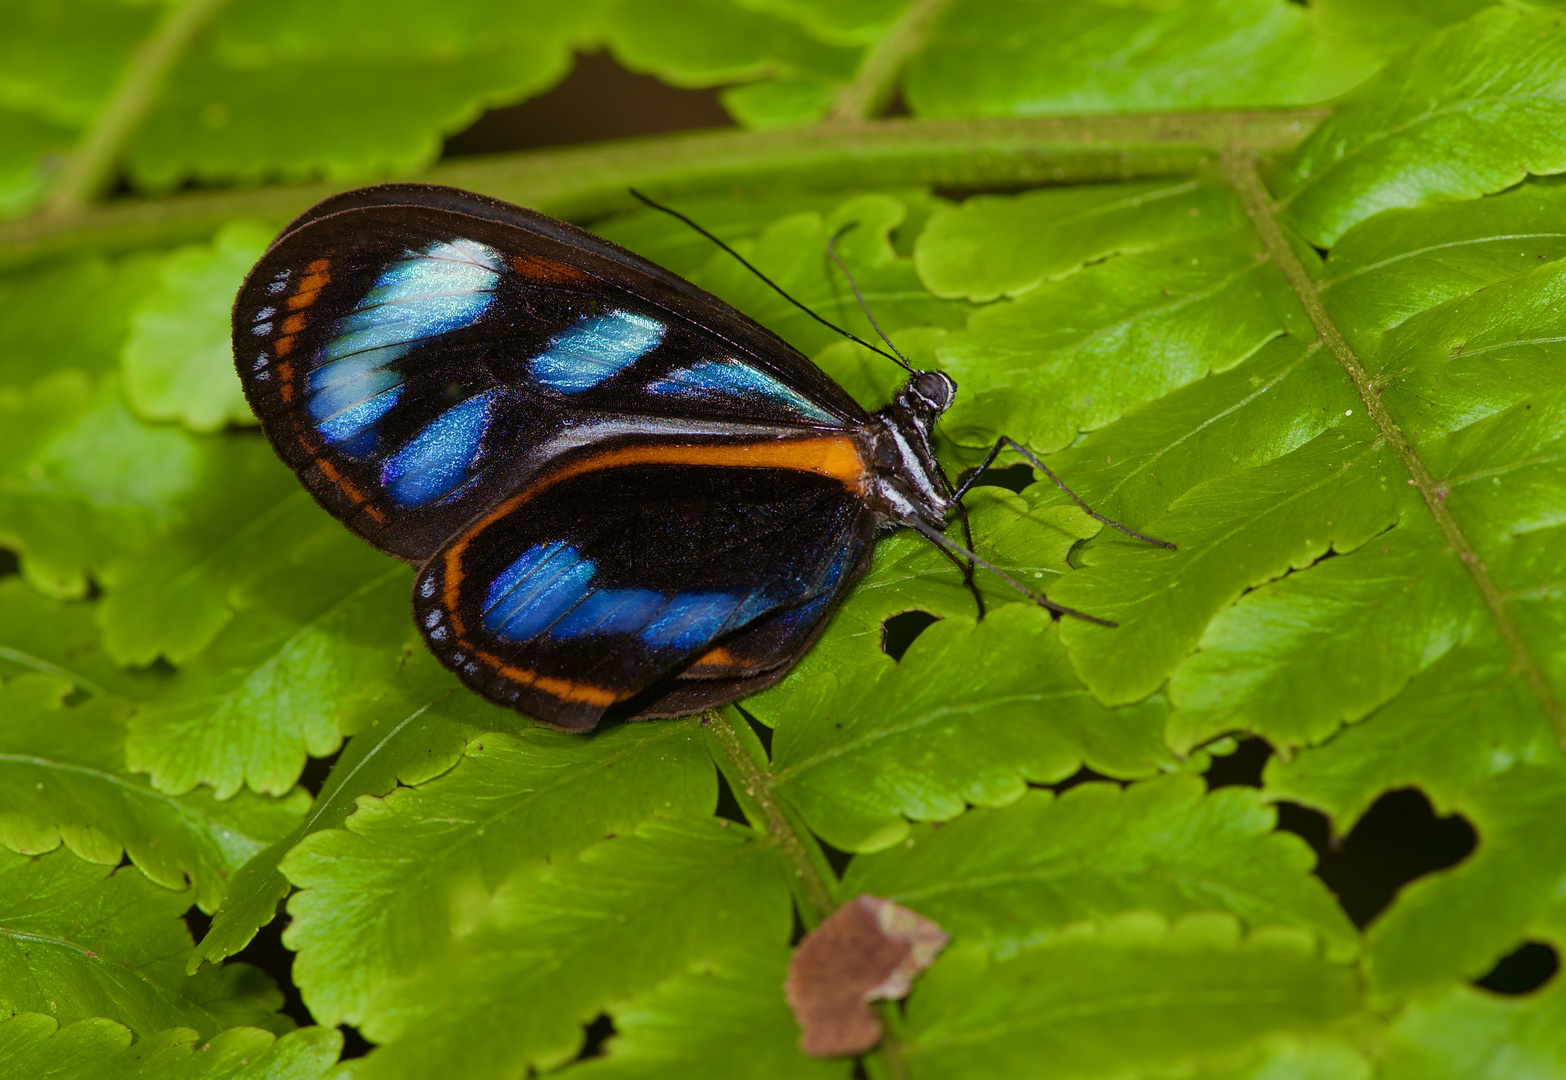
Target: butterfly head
x=927 y=395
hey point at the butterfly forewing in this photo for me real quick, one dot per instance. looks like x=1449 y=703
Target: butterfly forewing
x=414 y=363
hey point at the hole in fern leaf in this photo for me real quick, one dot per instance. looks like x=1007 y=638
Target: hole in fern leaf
x=1399 y=839
x=1527 y=968
x=594 y=1036
x=599 y=99
x=9 y=563
x=899 y=631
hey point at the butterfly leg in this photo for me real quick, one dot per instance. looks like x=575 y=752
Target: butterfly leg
x=965 y=565
x=1004 y=442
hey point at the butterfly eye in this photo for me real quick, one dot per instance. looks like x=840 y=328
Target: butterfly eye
x=936 y=388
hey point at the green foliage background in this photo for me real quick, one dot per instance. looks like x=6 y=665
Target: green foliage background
x=1282 y=283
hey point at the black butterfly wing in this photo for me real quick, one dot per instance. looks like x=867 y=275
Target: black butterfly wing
x=639 y=578
x=417 y=353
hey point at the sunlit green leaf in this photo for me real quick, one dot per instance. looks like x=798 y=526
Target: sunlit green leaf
x=78 y=941
x=33 y=1044
x=178 y=361
x=1122 y=997
x=403 y=876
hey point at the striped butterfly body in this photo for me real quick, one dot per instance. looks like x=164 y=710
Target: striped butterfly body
x=623 y=497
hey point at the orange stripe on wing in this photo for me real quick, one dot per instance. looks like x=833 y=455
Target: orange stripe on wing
x=719 y=657
x=552 y=271
x=833 y=456
x=564 y=689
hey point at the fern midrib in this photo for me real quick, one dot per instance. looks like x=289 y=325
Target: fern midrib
x=756 y=787
x=1239 y=169
x=877 y=78
x=587 y=181
x=44 y=667
x=91 y=165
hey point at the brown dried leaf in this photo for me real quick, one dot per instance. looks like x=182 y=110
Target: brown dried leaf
x=868 y=950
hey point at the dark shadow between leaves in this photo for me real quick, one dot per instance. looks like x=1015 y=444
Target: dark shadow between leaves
x=354 y=1044
x=763 y=732
x=316 y=770
x=837 y=860
x=1242 y=768
x=598 y=100
x=266 y=952
x=1011 y=477
x=1523 y=970
x=1084 y=775
x=728 y=807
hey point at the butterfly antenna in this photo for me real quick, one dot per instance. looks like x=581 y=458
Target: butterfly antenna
x=864 y=307
x=769 y=282
x=1060 y=609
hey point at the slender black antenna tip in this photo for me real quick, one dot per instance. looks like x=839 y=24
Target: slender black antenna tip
x=774 y=286
x=902 y=360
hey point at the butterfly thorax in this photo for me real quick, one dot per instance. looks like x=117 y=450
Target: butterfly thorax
x=908 y=484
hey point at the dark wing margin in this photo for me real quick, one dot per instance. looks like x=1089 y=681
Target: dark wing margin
x=642 y=589
x=516 y=230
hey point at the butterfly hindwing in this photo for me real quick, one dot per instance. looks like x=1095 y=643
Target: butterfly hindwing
x=417 y=354
x=636 y=579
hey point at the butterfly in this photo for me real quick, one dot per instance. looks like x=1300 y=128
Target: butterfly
x=623 y=497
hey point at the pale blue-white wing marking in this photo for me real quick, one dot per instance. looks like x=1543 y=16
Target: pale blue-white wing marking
x=440 y=458
x=447 y=286
x=731 y=378
x=596 y=348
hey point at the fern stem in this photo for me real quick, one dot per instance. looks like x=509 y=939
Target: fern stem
x=583 y=182
x=91 y=165
x=876 y=81
x=739 y=758
x=1239 y=169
